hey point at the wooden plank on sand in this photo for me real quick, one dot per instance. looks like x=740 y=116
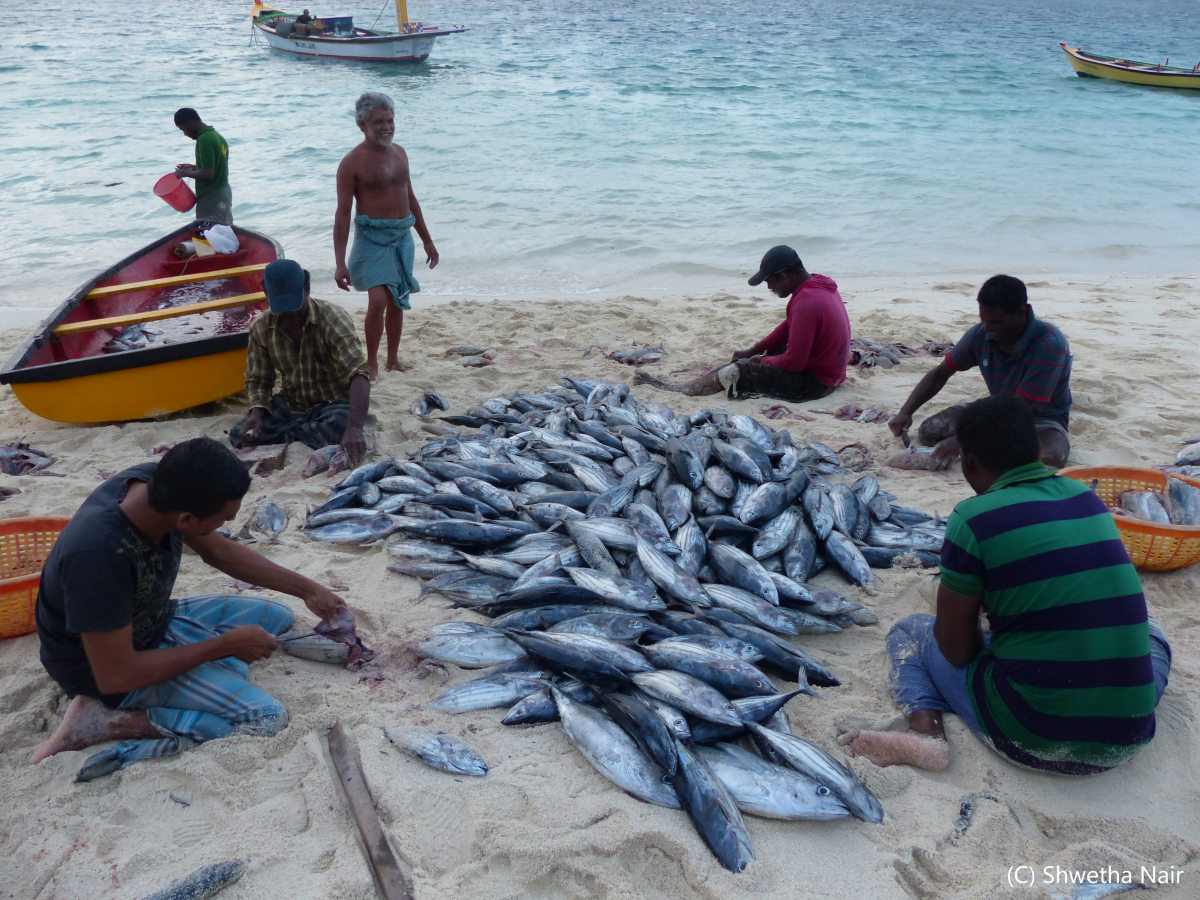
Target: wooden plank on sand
x=362 y=807
x=174 y=281
x=154 y=315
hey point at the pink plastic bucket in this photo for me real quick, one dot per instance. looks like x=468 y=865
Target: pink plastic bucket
x=176 y=192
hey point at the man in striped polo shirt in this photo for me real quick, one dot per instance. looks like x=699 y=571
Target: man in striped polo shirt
x=1069 y=678
x=1017 y=354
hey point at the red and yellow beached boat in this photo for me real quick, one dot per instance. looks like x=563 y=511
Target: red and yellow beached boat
x=1089 y=65
x=154 y=334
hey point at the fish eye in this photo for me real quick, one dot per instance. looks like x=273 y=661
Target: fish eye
x=822 y=791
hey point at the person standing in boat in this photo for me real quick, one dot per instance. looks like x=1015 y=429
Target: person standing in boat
x=214 y=199
x=304 y=26
x=804 y=358
x=375 y=178
x=312 y=346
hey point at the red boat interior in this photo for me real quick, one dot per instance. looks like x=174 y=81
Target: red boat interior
x=162 y=262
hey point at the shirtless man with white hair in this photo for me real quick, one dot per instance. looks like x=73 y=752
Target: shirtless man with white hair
x=374 y=176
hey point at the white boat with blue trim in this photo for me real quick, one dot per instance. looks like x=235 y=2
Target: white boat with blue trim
x=337 y=37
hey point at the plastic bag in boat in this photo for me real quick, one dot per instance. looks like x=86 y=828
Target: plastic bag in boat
x=222 y=238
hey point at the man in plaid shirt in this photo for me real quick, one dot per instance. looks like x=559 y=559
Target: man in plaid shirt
x=312 y=346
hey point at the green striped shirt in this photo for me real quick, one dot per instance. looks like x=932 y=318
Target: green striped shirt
x=1067 y=684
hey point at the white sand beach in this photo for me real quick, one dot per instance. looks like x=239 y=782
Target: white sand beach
x=543 y=823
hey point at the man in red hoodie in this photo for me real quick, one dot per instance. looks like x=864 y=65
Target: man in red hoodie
x=803 y=359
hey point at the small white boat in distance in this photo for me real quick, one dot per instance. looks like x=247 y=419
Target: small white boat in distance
x=337 y=37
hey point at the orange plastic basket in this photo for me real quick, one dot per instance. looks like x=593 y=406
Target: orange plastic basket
x=24 y=546
x=1151 y=546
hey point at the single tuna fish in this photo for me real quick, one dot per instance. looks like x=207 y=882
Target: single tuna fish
x=500 y=689
x=712 y=809
x=818 y=765
x=690 y=695
x=612 y=752
x=205 y=882
x=437 y=749
x=764 y=789
x=267 y=518
x=318 y=460
x=469 y=646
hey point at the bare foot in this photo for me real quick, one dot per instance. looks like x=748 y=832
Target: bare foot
x=898 y=748
x=394 y=365
x=372 y=370
x=88 y=721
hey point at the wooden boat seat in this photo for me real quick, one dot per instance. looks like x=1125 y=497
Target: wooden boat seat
x=154 y=315
x=173 y=281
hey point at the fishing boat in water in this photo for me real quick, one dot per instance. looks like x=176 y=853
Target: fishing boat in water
x=154 y=334
x=1089 y=65
x=337 y=37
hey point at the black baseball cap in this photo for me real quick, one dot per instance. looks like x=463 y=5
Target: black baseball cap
x=777 y=259
x=283 y=281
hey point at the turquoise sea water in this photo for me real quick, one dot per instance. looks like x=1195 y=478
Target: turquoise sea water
x=569 y=145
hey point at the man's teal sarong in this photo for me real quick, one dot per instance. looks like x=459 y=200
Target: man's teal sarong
x=383 y=254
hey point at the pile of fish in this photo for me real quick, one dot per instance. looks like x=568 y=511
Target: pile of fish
x=1186 y=461
x=1178 y=505
x=866 y=353
x=431 y=400
x=18 y=458
x=541 y=462
x=641 y=572
x=639 y=356
x=135 y=337
x=852 y=412
x=472 y=357
x=780 y=411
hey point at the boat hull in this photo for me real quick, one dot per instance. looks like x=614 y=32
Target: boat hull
x=69 y=378
x=400 y=49
x=1087 y=65
x=142 y=393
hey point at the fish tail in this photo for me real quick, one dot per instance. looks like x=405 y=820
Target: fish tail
x=802 y=683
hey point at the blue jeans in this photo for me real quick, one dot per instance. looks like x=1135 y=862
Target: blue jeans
x=213 y=700
x=921 y=677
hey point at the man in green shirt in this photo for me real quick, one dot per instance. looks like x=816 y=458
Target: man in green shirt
x=1070 y=675
x=214 y=200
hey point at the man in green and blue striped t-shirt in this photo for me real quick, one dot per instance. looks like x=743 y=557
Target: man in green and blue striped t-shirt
x=1072 y=671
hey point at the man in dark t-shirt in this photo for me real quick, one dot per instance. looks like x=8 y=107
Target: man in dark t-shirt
x=1018 y=355
x=155 y=673
x=303 y=25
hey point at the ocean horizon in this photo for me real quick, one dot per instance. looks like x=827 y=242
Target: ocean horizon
x=580 y=148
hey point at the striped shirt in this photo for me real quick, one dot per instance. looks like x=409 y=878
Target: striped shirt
x=318 y=371
x=1066 y=685
x=1039 y=370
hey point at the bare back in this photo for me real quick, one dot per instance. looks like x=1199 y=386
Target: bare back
x=377 y=177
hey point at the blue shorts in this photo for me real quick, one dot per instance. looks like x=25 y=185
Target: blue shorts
x=213 y=700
